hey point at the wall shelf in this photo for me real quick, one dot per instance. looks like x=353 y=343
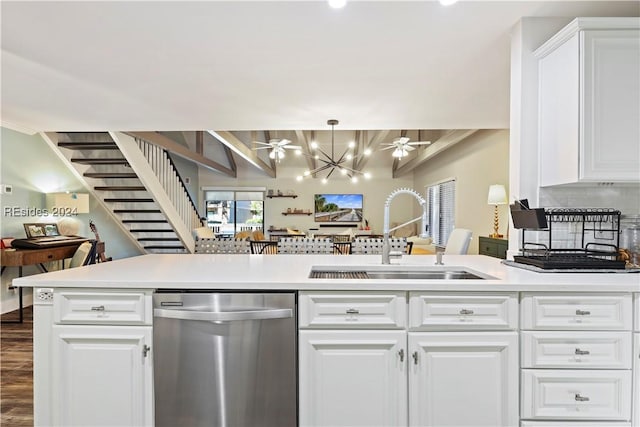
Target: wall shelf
x=296 y=213
x=293 y=196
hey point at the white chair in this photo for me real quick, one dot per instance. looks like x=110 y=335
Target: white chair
x=458 y=242
x=84 y=255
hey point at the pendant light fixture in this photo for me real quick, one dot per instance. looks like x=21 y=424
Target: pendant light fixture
x=333 y=164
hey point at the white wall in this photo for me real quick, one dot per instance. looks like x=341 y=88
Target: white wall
x=475 y=163
x=375 y=192
x=30 y=166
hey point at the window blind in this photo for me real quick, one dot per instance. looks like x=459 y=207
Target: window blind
x=441 y=199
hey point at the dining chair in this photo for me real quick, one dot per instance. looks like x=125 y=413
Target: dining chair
x=305 y=245
x=264 y=247
x=374 y=245
x=341 y=248
x=222 y=245
x=458 y=242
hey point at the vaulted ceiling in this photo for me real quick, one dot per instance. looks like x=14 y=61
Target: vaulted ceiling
x=264 y=65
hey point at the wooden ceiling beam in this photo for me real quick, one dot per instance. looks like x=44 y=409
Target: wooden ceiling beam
x=182 y=151
x=302 y=140
x=445 y=142
x=374 y=142
x=242 y=150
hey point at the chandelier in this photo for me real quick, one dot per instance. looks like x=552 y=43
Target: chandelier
x=333 y=164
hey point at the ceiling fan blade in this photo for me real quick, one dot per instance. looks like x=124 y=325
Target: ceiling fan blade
x=262 y=148
x=420 y=143
x=389 y=147
x=262 y=143
x=409 y=148
x=401 y=140
x=292 y=147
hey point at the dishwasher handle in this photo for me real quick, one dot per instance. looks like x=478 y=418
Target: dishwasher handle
x=224 y=316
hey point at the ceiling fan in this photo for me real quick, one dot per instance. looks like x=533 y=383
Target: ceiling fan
x=277 y=147
x=402 y=146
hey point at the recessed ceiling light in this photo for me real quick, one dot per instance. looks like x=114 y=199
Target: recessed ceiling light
x=337 y=4
x=447 y=2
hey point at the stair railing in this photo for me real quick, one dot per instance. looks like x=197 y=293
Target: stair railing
x=166 y=172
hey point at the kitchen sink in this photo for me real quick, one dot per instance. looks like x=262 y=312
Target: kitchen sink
x=396 y=273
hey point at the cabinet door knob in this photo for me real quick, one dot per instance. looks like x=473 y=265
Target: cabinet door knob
x=98 y=308
x=401 y=354
x=415 y=357
x=464 y=311
x=581 y=398
x=582 y=352
x=582 y=312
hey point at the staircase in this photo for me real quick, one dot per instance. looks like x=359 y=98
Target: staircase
x=135 y=181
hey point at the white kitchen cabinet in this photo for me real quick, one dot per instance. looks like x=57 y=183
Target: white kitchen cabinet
x=589 y=103
x=353 y=378
x=96 y=365
x=549 y=394
x=103 y=376
x=463 y=379
x=636 y=379
x=579 y=345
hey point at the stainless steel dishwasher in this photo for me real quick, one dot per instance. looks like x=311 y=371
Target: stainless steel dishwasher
x=225 y=359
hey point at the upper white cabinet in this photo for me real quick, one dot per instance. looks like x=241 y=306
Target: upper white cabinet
x=589 y=102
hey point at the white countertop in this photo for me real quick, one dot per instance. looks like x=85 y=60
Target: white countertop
x=278 y=272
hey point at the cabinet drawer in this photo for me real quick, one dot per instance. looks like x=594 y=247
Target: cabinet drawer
x=572 y=311
x=379 y=310
x=576 y=350
x=486 y=310
x=575 y=394
x=488 y=248
x=113 y=308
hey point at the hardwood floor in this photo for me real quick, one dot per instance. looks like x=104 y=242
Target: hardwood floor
x=16 y=370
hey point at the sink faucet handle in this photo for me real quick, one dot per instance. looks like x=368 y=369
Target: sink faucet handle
x=439 y=257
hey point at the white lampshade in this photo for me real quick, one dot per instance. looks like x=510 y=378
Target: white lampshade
x=497 y=195
x=65 y=204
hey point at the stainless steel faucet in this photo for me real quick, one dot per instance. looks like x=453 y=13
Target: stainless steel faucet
x=386 y=245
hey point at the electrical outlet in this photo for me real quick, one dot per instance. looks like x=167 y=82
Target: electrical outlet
x=44 y=294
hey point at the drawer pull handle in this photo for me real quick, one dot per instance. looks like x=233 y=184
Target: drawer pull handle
x=353 y=311
x=98 y=308
x=582 y=352
x=582 y=312
x=581 y=398
x=464 y=311
x=401 y=354
x=415 y=357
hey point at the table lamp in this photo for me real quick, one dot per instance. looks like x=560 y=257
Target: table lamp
x=497 y=196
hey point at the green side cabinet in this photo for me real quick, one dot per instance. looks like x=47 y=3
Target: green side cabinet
x=493 y=247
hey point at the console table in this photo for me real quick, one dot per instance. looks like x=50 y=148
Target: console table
x=22 y=257
x=496 y=248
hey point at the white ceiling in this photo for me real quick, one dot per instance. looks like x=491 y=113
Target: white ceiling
x=264 y=65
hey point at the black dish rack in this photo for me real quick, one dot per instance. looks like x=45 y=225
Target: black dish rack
x=595 y=233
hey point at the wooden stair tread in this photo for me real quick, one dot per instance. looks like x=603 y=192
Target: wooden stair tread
x=120 y=175
x=164 y=247
x=101 y=161
x=158 y=239
x=120 y=188
x=151 y=230
x=127 y=200
x=144 y=221
x=137 y=211
x=88 y=145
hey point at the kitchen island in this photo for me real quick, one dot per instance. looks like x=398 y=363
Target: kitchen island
x=398 y=351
